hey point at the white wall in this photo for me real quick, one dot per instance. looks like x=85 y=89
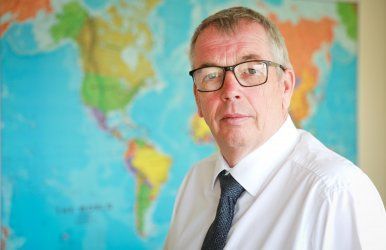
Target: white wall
x=372 y=91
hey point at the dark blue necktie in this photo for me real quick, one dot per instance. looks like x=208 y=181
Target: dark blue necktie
x=217 y=233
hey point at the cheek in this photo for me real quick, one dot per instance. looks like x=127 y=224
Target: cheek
x=261 y=100
x=275 y=93
x=265 y=102
x=208 y=108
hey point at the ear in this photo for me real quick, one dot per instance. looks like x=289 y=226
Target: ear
x=288 y=87
x=198 y=104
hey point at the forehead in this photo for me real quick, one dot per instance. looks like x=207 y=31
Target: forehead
x=248 y=41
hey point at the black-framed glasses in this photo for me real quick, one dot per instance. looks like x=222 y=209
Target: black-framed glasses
x=248 y=74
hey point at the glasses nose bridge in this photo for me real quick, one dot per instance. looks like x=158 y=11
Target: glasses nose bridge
x=229 y=68
x=232 y=69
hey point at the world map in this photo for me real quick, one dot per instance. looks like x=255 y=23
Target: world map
x=98 y=120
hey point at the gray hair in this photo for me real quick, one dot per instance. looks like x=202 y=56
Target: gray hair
x=227 y=20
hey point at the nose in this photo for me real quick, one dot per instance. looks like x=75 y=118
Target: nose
x=230 y=90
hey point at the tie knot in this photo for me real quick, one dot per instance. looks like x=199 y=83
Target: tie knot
x=229 y=186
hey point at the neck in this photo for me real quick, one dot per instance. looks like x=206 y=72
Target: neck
x=234 y=155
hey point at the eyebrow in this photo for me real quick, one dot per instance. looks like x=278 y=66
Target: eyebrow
x=251 y=57
x=207 y=65
x=244 y=58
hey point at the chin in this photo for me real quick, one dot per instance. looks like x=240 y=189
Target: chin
x=235 y=141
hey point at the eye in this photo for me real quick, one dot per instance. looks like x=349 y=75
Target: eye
x=252 y=71
x=211 y=76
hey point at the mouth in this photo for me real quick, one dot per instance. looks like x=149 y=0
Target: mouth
x=234 y=119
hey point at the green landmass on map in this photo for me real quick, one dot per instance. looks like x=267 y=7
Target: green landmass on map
x=349 y=16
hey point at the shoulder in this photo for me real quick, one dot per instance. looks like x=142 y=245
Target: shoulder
x=335 y=181
x=196 y=179
x=202 y=170
x=195 y=184
x=328 y=168
x=340 y=195
x=204 y=163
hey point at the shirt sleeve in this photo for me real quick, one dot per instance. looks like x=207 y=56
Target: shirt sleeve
x=352 y=217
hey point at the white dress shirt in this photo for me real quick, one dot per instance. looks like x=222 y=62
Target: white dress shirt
x=299 y=195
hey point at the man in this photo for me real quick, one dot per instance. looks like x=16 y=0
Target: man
x=281 y=188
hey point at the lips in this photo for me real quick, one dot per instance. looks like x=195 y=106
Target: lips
x=234 y=119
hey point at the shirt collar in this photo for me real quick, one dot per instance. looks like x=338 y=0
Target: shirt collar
x=254 y=169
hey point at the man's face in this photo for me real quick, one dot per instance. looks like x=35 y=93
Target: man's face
x=241 y=118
